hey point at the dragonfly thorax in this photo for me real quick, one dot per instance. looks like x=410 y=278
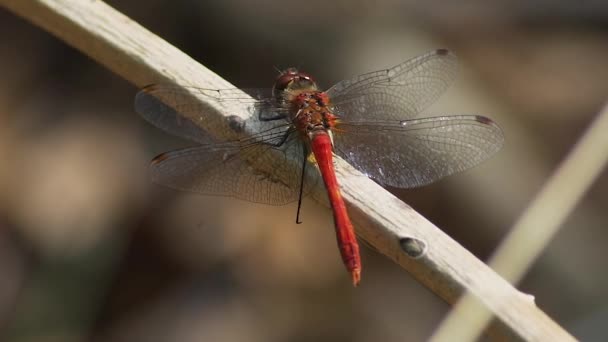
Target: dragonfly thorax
x=311 y=112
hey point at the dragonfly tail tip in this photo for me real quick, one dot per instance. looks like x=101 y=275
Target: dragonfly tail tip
x=356 y=276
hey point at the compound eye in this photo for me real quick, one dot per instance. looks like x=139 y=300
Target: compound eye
x=285 y=79
x=305 y=76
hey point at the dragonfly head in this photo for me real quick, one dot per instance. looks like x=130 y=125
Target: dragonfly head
x=291 y=80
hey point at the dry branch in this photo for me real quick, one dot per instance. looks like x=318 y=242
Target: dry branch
x=538 y=224
x=388 y=224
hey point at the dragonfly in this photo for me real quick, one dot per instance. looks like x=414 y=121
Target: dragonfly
x=372 y=121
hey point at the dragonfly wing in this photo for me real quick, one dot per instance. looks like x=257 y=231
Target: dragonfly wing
x=419 y=151
x=255 y=172
x=176 y=110
x=398 y=93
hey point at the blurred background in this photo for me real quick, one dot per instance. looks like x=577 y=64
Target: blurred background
x=91 y=250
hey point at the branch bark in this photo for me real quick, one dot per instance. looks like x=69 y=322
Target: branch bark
x=388 y=224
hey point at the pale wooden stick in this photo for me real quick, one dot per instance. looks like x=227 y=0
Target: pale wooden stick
x=535 y=228
x=387 y=223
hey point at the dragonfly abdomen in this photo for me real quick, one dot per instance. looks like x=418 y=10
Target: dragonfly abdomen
x=321 y=146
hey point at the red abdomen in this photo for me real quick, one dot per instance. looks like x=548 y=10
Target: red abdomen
x=347 y=242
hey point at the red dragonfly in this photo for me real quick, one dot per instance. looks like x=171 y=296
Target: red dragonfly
x=369 y=120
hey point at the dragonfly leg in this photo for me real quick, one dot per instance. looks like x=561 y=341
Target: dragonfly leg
x=304 y=162
x=272 y=117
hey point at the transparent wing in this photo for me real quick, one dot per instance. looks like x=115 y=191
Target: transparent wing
x=252 y=171
x=419 y=151
x=398 y=93
x=176 y=110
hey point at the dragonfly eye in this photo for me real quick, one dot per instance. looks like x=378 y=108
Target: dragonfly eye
x=292 y=79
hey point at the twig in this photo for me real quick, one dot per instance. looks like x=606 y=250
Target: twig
x=387 y=223
x=535 y=228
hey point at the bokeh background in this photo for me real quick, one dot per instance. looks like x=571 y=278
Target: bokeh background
x=91 y=250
